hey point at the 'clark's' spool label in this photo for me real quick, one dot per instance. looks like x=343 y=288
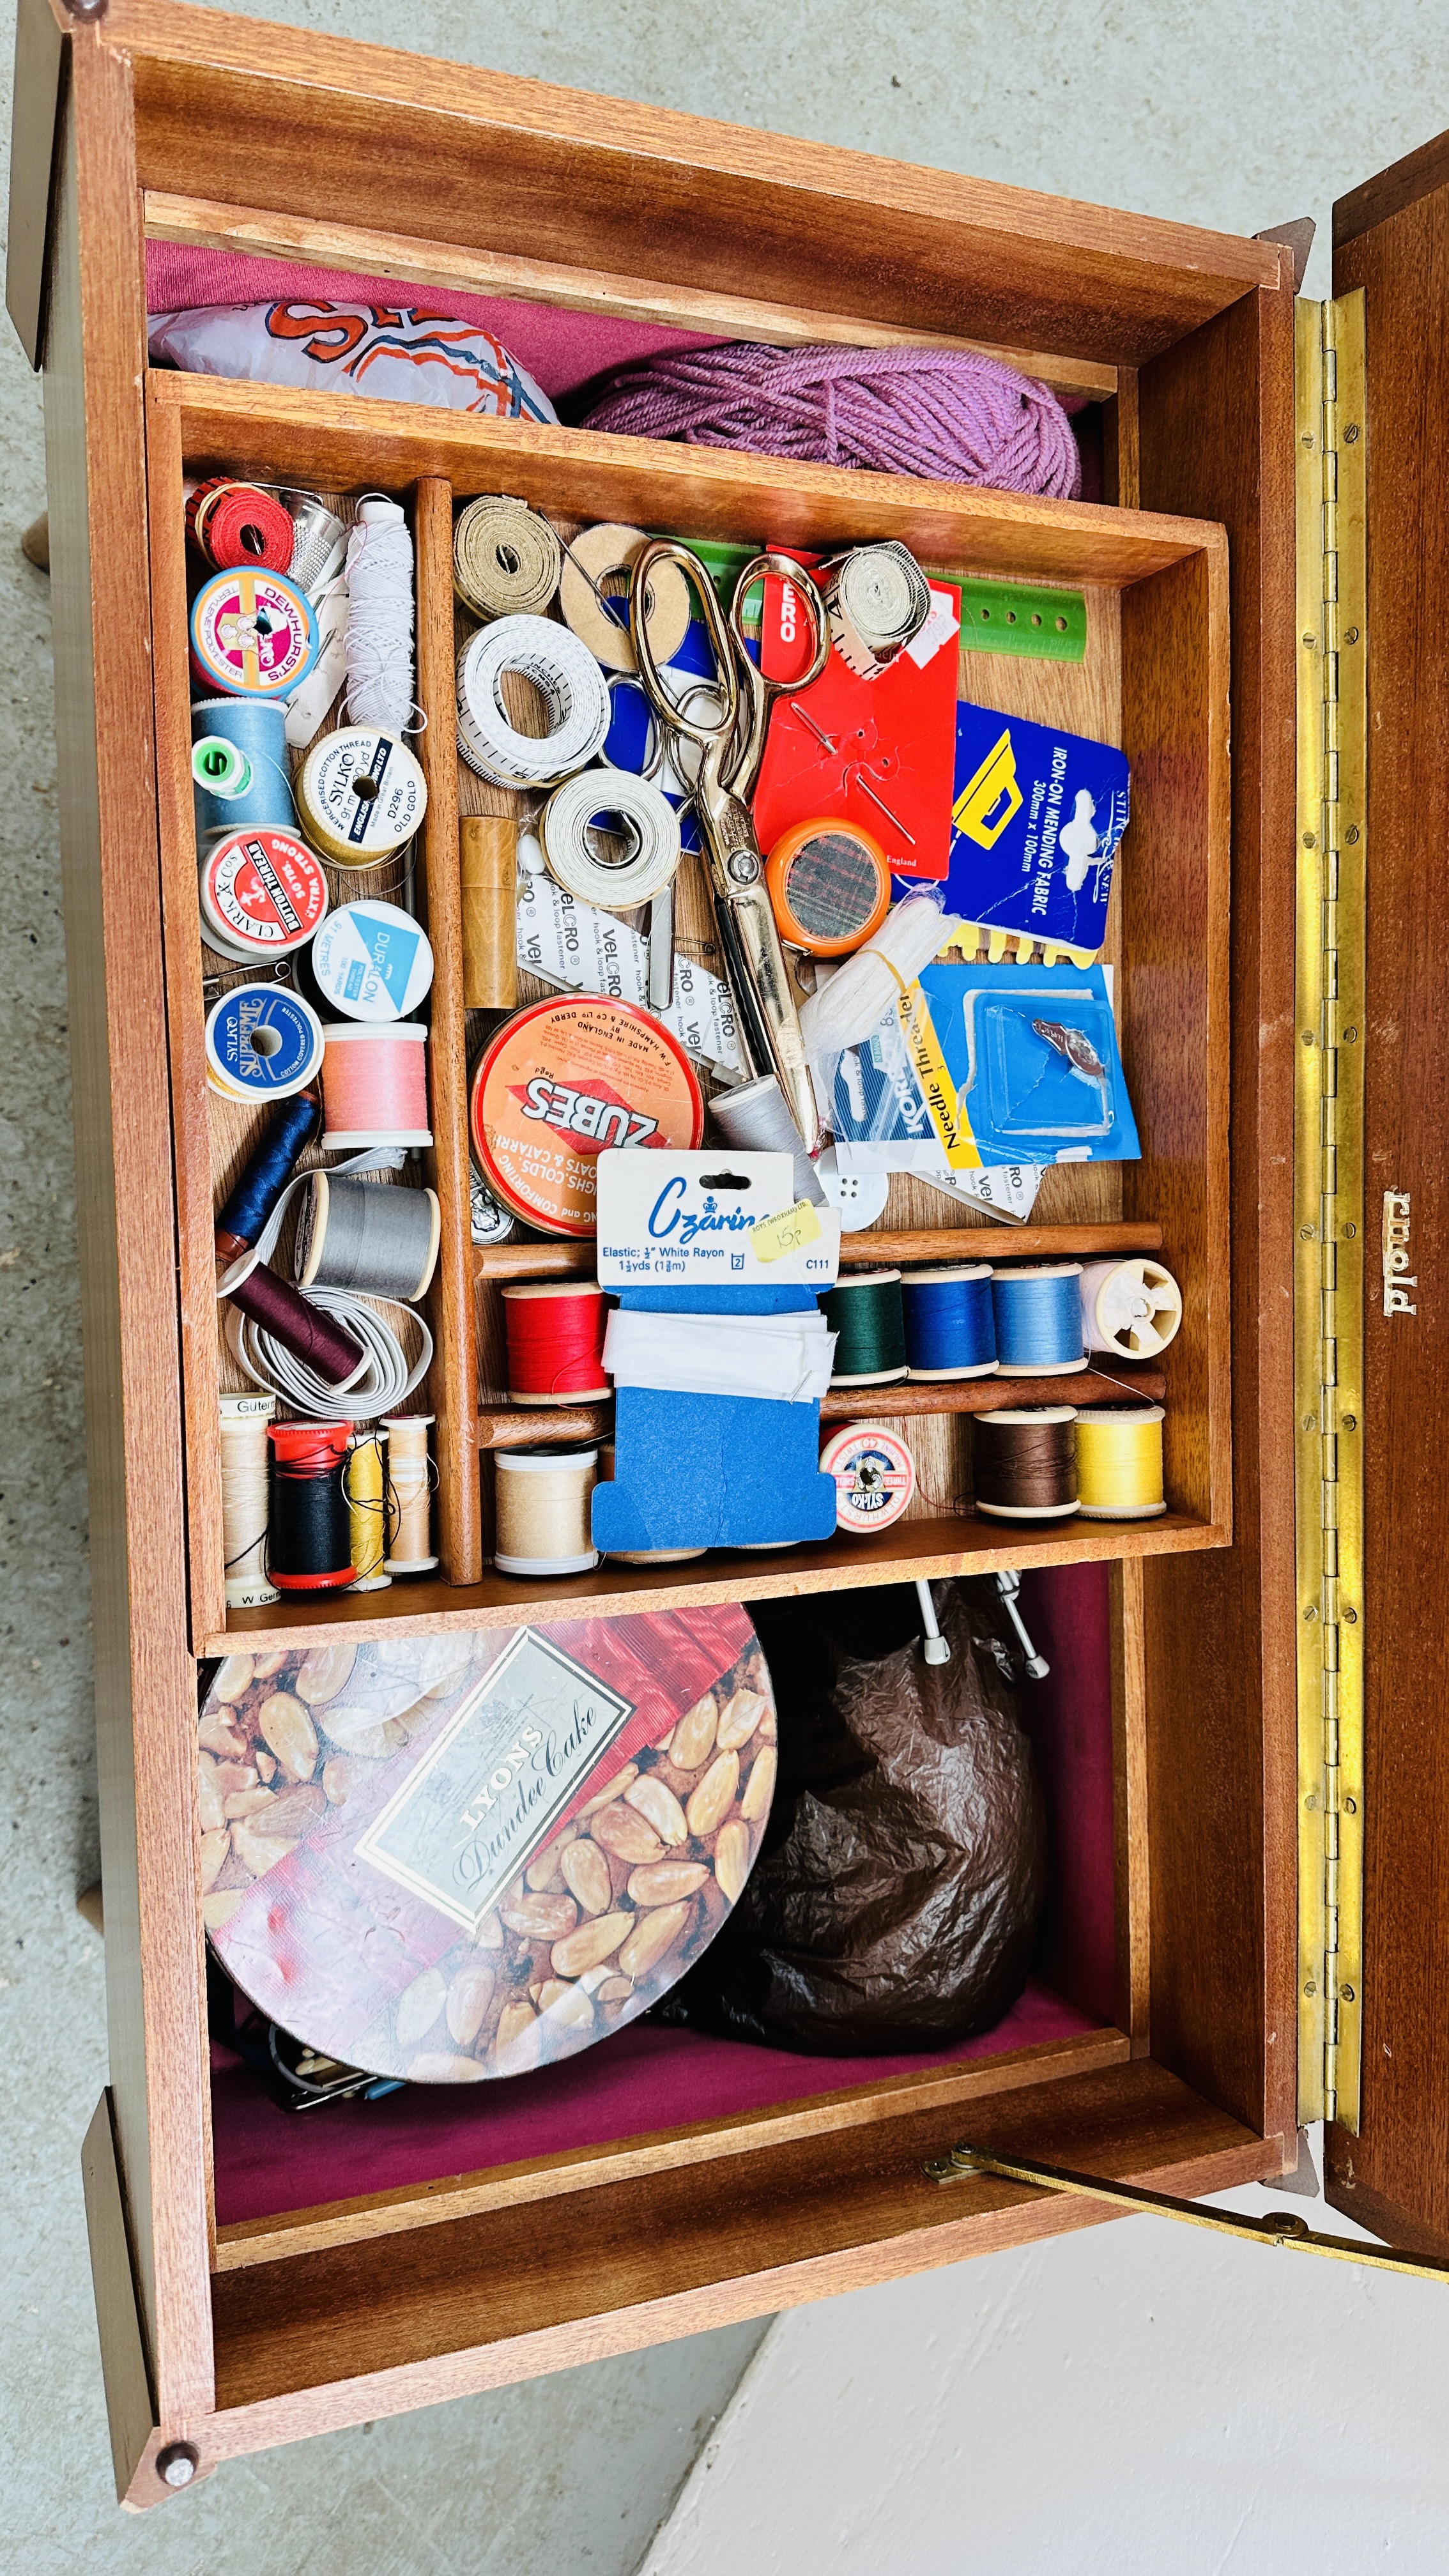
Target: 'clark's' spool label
x=361 y=795
x=563 y=1081
x=263 y=892
x=252 y=633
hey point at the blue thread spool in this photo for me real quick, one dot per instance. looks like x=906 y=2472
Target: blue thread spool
x=1038 y=1315
x=243 y=1220
x=259 y=732
x=950 y=1322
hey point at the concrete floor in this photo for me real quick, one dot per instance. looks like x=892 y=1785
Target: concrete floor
x=1238 y=118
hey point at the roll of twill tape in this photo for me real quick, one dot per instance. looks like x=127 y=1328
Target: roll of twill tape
x=252 y=633
x=239 y=523
x=506 y=559
x=632 y=813
x=263 y=894
x=360 y=795
x=600 y=559
x=568 y=679
x=262 y=1043
x=488 y=867
x=372 y=961
x=562 y=1081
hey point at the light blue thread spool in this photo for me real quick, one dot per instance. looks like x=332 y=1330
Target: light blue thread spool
x=950 y=1322
x=1038 y=1315
x=259 y=732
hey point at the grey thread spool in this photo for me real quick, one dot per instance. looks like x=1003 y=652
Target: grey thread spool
x=753 y=1117
x=377 y=1240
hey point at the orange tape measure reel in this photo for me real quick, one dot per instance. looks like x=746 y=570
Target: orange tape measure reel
x=830 y=885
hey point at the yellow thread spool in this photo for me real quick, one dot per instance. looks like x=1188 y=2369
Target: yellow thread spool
x=1119 y=1462
x=366 y=1513
x=407 y=1494
x=543 y=1507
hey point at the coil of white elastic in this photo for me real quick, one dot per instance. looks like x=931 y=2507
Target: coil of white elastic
x=569 y=679
x=381 y=1384
x=651 y=827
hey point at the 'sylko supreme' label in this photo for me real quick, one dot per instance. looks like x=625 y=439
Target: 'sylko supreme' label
x=498 y=1779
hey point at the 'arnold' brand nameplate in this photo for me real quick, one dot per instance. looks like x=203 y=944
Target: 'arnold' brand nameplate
x=498 y=1779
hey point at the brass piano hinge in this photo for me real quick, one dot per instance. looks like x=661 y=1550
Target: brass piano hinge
x=1328 y=1199
x=1278 y=2227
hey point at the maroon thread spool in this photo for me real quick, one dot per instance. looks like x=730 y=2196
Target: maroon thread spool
x=302 y=1328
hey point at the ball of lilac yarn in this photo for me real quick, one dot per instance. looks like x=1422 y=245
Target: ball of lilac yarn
x=943 y=413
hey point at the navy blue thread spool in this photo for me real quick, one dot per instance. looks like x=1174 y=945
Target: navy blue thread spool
x=1038 y=1314
x=950 y=1321
x=259 y=732
x=866 y=1315
x=243 y=1220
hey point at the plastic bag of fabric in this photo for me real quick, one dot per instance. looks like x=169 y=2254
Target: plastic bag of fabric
x=895 y=1899
x=405 y=352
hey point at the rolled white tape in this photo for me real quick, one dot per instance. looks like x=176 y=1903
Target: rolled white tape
x=651 y=827
x=567 y=677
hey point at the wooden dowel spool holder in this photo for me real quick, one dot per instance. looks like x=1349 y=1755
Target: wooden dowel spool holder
x=509 y=1427
x=867 y=1251
x=488 y=873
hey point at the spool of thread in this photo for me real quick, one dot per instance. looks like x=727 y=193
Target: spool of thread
x=409 y=1548
x=239 y=766
x=601 y=559
x=568 y=679
x=375 y=1085
x=239 y=523
x=1038 y=1314
x=556 y=1342
x=310 y=1540
x=262 y=1043
x=830 y=886
x=640 y=1555
x=315 y=1338
x=263 y=893
x=506 y=559
x=875 y=1478
x=379 y=641
x=1132 y=1307
x=753 y=1117
x=360 y=795
x=950 y=1321
x=253 y=633
x=488 y=866
x=867 y=1316
x=243 y=1217
x=372 y=962
x=244 y=1499
x=543 y=1511
x=631 y=809
x=1119 y=1462
x=1026 y=1463
x=366 y=1512
x=364 y=1235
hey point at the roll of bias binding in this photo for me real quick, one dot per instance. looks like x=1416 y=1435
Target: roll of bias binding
x=506 y=559
x=262 y=1043
x=360 y=795
x=240 y=523
x=556 y=1342
x=1026 y=1466
x=543 y=1511
x=311 y=1545
x=866 y=1314
x=950 y=1323
x=1038 y=1315
x=1119 y=1462
x=244 y=1499
x=1130 y=1307
x=568 y=679
x=366 y=1512
x=379 y=1241
x=628 y=809
x=374 y=1085
x=239 y=765
x=407 y=1494
x=596 y=570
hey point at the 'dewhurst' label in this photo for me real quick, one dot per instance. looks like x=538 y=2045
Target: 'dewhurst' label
x=497 y=1780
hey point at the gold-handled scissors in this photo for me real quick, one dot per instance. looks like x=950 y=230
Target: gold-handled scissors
x=731 y=745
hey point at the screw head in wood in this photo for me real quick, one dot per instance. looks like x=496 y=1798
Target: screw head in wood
x=1351 y=434
x=1345 y=1994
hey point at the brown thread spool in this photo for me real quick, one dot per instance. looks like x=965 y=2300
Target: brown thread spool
x=543 y=1500
x=407 y=1496
x=1026 y=1462
x=488 y=869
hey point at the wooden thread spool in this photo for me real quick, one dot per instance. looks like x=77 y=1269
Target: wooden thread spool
x=543 y=1500
x=1119 y=1462
x=408 y=1494
x=488 y=869
x=556 y=1342
x=640 y=1555
x=244 y=1499
x=367 y=1512
x=867 y=1316
x=1026 y=1463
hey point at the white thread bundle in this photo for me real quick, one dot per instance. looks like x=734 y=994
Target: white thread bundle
x=244 y=1499
x=380 y=617
x=843 y=1012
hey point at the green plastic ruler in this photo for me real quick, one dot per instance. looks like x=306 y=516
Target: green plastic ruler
x=1017 y=617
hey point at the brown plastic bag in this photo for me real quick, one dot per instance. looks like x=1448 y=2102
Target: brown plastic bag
x=894 y=1901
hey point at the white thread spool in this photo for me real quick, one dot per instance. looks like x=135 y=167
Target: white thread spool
x=380 y=617
x=650 y=826
x=1131 y=1307
x=407 y=1494
x=244 y=1500
x=543 y=1511
x=566 y=676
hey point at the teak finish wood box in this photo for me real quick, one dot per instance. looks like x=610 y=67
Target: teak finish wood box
x=1275 y=1784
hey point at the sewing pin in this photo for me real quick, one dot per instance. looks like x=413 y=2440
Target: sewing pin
x=867 y=790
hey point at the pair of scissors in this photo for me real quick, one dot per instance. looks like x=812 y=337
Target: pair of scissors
x=731 y=744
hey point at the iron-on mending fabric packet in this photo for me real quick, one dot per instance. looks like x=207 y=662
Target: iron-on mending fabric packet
x=1035 y=823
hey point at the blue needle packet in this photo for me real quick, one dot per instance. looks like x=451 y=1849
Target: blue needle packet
x=1032 y=1051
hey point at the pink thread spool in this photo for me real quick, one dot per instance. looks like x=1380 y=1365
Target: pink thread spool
x=375 y=1084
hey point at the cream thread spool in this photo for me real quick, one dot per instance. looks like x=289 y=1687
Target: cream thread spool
x=1131 y=1307
x=605 y=553
x=1119 y=1462
x=640 y=1555
x=366 y=1511
x=408 y=1494
x=244 y=1500
x=543 y=1501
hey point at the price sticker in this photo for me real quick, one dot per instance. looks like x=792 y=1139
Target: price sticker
x=790 y=1231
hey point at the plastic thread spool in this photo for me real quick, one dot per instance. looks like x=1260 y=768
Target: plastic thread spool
x=488 y=868
x=311 y=1545
x=506 y=559
x=1038 y=1314
x=262 y=1043
x=633 y=811
x=243 y=1219
x=830 y=886
x=543 y=1511
x=375 y=1085
x=253 y=634
x=875 y=1478
x=641 y=1555
x=380 y=1241
x=950 y=1322
x=1119 y=1462
x=239 y=765
x=1026 y=1463
x=366 y=1513
x=568 y=679
x=866 y=1314
x=360 y=795
x=753 y=1117
x=1131 y=1307
x=372 y=962
x=240 y=523
x=409 y=1551
x=556 y=1343
x=263 y=893
x=605 y=554
x=244 y=1420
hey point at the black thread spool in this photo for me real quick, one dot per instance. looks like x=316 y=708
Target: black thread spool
x=310 y=1533
x=1026 y=1462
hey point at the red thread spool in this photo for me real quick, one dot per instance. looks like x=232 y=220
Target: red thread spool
x=238 y=523
x=299 y=1326
x=310 y=1544
x=556 y=1343
x=375 y=1083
